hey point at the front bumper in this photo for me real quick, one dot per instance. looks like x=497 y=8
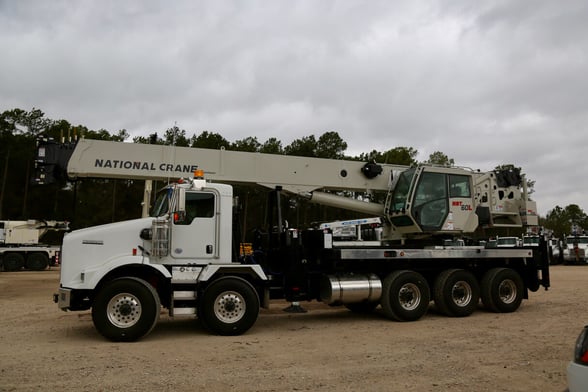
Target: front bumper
x=577 y=377
x=63 y=299
x=573 y=259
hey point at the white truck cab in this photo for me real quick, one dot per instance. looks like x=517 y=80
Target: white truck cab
x=576 y=249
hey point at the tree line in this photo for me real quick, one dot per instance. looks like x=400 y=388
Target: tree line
x=89 y=202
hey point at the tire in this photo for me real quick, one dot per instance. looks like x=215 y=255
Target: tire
x=456 y=293
x=229 y=306
x=502 y=290
x=13 y=261
x=405 y=296
x=126 y=309
x=37 y=261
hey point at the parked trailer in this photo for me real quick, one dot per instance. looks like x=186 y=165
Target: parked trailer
x=20 y=247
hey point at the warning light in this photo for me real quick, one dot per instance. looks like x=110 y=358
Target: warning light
x=198 y=174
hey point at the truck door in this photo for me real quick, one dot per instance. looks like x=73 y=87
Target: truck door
x=194 y=236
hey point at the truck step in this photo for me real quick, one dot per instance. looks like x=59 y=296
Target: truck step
x=184 y=312
x=184 y=295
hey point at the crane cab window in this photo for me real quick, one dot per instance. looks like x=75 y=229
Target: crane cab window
x=402 y=189
x=459 y=186
x=430 y=201
x=198 y=205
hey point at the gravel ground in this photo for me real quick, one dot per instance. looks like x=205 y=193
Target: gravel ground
x=325 y=349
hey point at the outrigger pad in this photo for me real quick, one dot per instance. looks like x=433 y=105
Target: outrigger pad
x=295 y=308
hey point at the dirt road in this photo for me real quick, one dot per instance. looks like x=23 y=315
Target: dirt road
x=326 y=349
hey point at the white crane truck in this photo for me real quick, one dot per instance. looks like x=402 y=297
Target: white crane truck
x=20 y=247
x=182 y=259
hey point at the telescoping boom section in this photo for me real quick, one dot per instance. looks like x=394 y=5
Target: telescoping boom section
x=184 y=257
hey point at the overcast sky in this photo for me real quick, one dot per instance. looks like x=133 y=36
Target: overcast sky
x=485 y=82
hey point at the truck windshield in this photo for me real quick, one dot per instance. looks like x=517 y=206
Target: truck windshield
x=507 y=241
x=577 y=240
x=402 y=189
x=161 y=204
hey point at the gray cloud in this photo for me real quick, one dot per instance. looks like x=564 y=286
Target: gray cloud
x=486 y=82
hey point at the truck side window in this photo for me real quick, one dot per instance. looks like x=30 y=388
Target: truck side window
x=198 y=205
x=459 y=186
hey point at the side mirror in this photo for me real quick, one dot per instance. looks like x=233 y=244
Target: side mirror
x=146 y=234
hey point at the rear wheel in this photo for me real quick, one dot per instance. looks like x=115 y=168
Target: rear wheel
x=405 y=296
x=13 y=261
x=126 y=309
x=37 y=261
x=456 y=293
x=229 y=306
x=502 y=290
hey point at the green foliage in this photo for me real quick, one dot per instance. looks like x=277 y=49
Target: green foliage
x=438 y=158
x=210 y=140
x=304 y=147
x=176 y=137
x=331 y=145
x=22 y=122
x=396 y=156
x=249 y=144
x=153 y=138
x=272 y=146
x=59 y=130
x=560 y=220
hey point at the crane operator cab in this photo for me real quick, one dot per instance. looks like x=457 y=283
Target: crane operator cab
x=430 y=200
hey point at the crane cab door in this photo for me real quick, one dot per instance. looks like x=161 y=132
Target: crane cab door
x=443 y=201
x=194 y=233
x=430 y=205
x=462 y=214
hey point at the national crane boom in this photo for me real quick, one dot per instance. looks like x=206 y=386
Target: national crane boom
x=98 y=158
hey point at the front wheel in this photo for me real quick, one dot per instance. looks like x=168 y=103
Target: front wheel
x=126 y=309
x=502 y=290
x=229 y=306
x=405 y=296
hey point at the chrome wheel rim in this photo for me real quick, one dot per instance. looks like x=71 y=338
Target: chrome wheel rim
x=409 y=296
x=507 y=290
x=229 y=307
x=124 y=310
x=461 y=293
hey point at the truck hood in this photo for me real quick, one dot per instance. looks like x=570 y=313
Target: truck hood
x=89 y=249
